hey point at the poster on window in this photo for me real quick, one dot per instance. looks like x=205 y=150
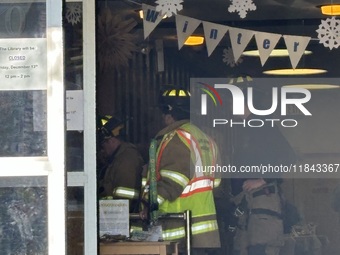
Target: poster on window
x=114 y=217
x=23 y=64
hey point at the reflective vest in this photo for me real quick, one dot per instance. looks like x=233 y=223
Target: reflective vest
x=197 y=193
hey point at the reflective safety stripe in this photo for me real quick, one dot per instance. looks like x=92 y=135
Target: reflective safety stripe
x=107 y=198
x=198 y=159
x=125 y=192
x=160 y=199
x=144 y=181
x=198 y=185
x=217 y=182
x=196 y=228
x=204 y=226
x=135 y=228
x=176 y=177
x=173 y=234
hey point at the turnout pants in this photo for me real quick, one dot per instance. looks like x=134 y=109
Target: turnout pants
x=260 y=228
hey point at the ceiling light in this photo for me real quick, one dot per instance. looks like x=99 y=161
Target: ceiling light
x=141 y=14
x=194 y=40
x=330 y=9
x=297 y=71
x=274 y=53
x=313 y=86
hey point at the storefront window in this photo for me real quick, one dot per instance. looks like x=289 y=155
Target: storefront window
x=23 y=214
x=23 y=79
x=73 y=26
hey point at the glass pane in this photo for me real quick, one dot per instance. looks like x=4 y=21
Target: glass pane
x=23 y=46
x=23 y=128
x=23 y=213
x=23 y=75
x=75 y=220
x=73 y=27
x=22 y=19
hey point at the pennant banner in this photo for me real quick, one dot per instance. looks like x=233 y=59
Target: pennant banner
x=213 y=34
x=185 y=26
x=239 y=40
x=266 y=42
x=296 y=46
x=151 y=19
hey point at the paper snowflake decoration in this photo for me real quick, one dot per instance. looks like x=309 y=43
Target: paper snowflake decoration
x=242 y=7
x=329 y=33
x=169 y=7
x=117 y=42
x=73 y=13
x=228 y=58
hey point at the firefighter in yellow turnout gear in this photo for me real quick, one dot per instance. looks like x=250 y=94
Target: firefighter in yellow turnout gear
x=181 y=147
x=121 y=175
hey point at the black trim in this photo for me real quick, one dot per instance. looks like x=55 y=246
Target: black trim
x=265 y=191
x=266 y=211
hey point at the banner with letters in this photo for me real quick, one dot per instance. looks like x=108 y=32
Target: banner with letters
x=240 y=38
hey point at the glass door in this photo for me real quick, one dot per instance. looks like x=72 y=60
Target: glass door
x=80 y=147
x=32 y=130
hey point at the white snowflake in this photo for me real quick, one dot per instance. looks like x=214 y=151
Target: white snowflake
x=169 y=7
x=228 y=57
x=329 y=33
x=242 y=6
x=73 y=12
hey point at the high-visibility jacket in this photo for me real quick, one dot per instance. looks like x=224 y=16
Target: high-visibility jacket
x=182 y=149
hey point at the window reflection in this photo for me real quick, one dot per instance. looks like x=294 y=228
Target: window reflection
x=23 y=128
x=75 y=220
x=73 y=27
x=23 y=215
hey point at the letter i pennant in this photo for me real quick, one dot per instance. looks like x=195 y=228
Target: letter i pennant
x=185 y=26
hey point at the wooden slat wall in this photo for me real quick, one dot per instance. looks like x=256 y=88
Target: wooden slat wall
x=132 y=93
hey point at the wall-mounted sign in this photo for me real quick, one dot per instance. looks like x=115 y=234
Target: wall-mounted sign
x=23 y=64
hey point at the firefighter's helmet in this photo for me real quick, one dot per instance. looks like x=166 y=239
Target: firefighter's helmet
x=259 y=97
x=242 y=81
x=110 y=127
x=175 y=99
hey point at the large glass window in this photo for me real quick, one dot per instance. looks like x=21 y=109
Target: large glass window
x=23 y=79
x=23 y=214
x=73 y=26
x=23 y=118
x=32 y=128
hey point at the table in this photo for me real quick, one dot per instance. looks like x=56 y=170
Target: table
x=159 y=248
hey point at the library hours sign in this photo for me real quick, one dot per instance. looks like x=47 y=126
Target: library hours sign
x=23 y=64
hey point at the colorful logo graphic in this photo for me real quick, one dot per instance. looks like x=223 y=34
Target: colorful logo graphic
x=211 y=91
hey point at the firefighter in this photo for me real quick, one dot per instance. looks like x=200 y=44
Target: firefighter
x=179 y=147
x=121 y=174
x=258 y=198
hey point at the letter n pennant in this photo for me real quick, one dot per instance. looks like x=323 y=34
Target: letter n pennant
x=213 y=34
